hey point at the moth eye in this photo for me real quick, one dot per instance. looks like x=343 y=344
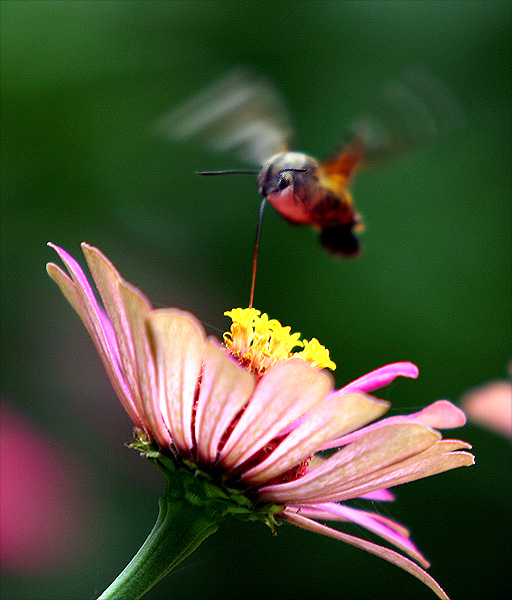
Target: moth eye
x=283 y=182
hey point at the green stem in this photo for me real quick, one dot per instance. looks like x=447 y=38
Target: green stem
x=178 y=531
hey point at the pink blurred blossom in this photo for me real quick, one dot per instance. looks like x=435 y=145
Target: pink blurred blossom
x=42 y=499
x=490 y=405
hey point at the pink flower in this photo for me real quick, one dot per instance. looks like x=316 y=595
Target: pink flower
x=490 y=405
x=252 y=413
x=41 y=493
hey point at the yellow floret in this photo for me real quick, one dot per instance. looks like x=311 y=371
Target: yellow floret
x=316 y=354
x=259 y=342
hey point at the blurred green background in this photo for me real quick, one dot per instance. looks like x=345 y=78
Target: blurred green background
x=82 y=83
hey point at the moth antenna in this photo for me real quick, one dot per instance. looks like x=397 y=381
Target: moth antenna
x=230 y=172
x=299 y=169
x=255 y=255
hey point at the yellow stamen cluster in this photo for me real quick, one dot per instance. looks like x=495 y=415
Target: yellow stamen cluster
x=259 y=342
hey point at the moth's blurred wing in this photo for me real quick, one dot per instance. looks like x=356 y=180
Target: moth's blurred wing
x=342 y=165
x=239 y=113
x=411 y=111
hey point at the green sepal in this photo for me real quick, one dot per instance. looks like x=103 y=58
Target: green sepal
x=219 y=500
x=193 y=505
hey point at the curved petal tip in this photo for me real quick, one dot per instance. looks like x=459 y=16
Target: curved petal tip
x=442 y=414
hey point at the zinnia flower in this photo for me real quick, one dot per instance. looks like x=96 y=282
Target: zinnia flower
x=237 y=426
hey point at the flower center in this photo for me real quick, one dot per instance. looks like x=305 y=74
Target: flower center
x=259 y=342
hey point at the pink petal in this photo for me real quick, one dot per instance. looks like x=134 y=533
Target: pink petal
x=385 y=553
x=378 y=449
x=385 y=529
x=225 y=389
x=177 y=340
x=335 y=414
x=108 y=282
x=379 y=495
x=442 y=414
x=322 y=512
x=135 y=311
x=315 y=512
x=381 y=377
x=285 y=393
x=80 y=295
x=438 y=458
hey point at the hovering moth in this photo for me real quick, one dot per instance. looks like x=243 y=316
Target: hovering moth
x=244 y=114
